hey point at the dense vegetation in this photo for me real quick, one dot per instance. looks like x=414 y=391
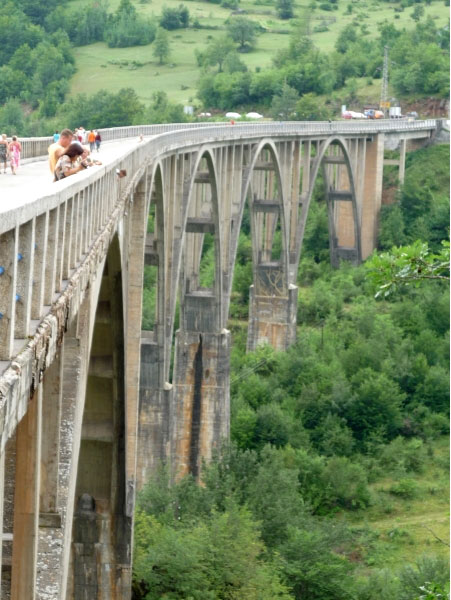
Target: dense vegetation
x=37 y=61
x=346 y=424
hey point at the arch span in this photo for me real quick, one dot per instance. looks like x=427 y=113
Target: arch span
x=341 y=197
x=101 y=533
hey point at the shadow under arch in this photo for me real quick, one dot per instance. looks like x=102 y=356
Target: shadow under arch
x=101 y=532
x=340 y=191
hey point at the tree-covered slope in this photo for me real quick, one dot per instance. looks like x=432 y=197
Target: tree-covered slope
x=337 y=472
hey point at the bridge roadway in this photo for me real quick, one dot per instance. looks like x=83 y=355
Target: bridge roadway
x=34 y=179
x=89 y=403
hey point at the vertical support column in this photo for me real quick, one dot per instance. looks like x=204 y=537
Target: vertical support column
x=40 y=253
x=8 y=278
x=133 y=299
x=2 y=496
x=306 y=163
x=201 y=398
x=155 y=415
x=272 y=316
x=69 y=237
x=294 y=193
x=62 y=210
x=51 y=261
x=25 y=259
x=51 y=411
x=360 y=174
x=402 y=161
x=26 y=501
x=372 y=193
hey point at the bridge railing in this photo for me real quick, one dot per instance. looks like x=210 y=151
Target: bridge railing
x=35 y=147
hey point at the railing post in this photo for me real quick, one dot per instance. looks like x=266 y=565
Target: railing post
x=24 y=287
x=8 y=279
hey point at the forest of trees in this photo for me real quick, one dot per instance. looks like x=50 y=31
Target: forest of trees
x=363 y=394
x=420 y=65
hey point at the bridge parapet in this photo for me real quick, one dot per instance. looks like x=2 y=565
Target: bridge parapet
x=36 y=147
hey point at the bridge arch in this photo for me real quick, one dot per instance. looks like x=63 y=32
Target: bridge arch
x=101 y=533
x=202 y=221
x=344 y=225
x=270 y=309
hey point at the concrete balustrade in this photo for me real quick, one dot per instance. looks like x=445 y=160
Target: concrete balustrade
x=36 y=147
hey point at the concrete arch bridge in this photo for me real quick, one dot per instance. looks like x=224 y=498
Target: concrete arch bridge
x=89 y=403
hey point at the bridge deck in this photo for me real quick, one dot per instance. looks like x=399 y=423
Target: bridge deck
x=34 y=179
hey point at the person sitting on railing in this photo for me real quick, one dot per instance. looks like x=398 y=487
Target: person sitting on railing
x=67 y=163
x=58 y=148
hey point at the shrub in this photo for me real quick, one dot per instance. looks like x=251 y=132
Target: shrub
x=405 y=488
x=427 y=569
x=345 y=483
x=408 y=455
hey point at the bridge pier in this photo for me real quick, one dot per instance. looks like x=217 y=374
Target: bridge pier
x=201 y=382
x=201 y=398
x=371 y=199
x=155 y=411
x=272 y=319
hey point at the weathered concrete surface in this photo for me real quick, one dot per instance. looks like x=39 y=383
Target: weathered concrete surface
x=201 y=398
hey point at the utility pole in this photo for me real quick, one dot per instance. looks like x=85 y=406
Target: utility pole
x=384 y=103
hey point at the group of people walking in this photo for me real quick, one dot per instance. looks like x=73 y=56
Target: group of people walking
x=9 y=150
x=68 y=155
x=91 y=137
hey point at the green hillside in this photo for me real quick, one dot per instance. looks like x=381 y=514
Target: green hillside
x=78 y=60
x=99 y=67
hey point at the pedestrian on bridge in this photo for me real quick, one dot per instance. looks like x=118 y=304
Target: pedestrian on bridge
x=58 y=148
x=98 y=140
x=92 y=140
x=14 y=154
x=4 y=150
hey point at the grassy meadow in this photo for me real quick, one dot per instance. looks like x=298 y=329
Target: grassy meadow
x=100 y=67
x=407 y=526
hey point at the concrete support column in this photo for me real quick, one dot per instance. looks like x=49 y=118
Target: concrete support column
x=372 y=194
x=272 y=319
x=8 y=282
x=51 y=411
x=402 y=161
x=201 y=398
x=2 y=499
x=25 y=262
x=155 y=415
x=26 y=501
